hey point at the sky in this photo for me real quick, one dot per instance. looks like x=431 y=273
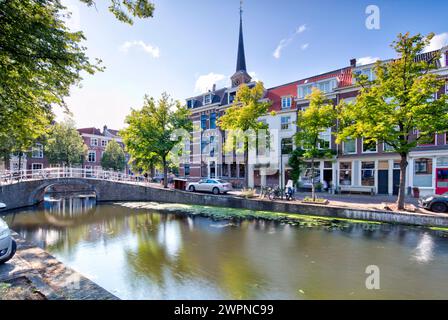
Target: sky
x=190 y=44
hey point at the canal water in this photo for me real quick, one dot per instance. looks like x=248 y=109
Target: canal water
x=152 y=253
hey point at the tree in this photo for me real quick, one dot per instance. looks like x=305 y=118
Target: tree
x=297 y=164
x=125 y=10
x=150 y=130
x=397 y=102
x=312 y=122
x=40 y=59
x=113 y=157
x=65 y=145
x=242 y=117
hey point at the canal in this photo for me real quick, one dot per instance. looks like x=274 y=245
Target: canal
x=153 y=253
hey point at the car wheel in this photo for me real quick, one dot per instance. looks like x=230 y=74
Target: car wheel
x=215 y=190
x=13 y=252
x=191 y=188
x=438 y=207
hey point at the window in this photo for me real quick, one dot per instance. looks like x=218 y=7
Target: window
x=213 y=120
x=233 y=170
x=103 y=143
x=368 y=146
x=325 y=139
x=203 y=121
x=367 y=173
x=207 y=99
x=242 y=171
x=225 y=170
x=187 y=169
x=190 y=104
x=304 y=91
x=212 y=146
x=423 y=172
x=231 y=97
x=37 y=151
x=349 y=146
x=285 y=122
x=308 y=173
x=93 y=142
x=286 y=102
x=91 y=156
x=36 y=166
x=345 y=173
x=387 y=147
x=427 y=140
x=205 y=140
x=365 y=72
x=286 y=145
x=326 y=86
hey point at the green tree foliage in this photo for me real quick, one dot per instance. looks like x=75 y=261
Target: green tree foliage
x=242 y=118
x=39 y=61
x=297 y=164
x=150 y=130
x=65 y=145
x=398 y=101
x=312 y=122
x=113 y=157
x=124 y=10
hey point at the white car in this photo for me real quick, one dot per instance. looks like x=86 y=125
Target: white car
x=216 y=186
x=7 y=245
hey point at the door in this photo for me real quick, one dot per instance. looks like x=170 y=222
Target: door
x=383 y=181
x=441 y=180
x=396 y=181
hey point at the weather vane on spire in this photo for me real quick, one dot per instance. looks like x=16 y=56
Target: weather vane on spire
x=241 y=7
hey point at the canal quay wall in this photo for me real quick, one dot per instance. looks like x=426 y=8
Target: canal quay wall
x=29 y=193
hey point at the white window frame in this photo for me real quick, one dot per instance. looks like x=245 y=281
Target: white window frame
x=286 y=102
x=332 y=84
x=288 y=123
x=39 y=149
x=300 y=92
x=92 y=143
x=104 y=142
x=207 y=99
x=356 y=147
x=362 y=146
x=374 y=172
x=351 y=173
x=326 y=133
x=384 y=147
x=88 y=156
x=36 y=163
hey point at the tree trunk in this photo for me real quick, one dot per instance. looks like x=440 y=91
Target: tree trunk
x=313 y=187
x=246 y=165
x=402 y=188
x=165 y=173
x=152 y=171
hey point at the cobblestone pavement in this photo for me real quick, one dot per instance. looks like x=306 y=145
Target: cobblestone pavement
x=50 y=276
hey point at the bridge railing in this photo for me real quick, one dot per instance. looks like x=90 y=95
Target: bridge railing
x=10 y=177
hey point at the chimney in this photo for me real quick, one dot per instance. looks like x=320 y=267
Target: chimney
x=353 y=63
x=214 y=87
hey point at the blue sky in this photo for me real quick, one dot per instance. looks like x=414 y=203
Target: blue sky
x=190 y=44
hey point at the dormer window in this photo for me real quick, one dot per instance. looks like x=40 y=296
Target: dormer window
x=207 y=99
x=190 y=104
x=286 y=102
x=326 y=86
x=365 y=72
x=304 y=91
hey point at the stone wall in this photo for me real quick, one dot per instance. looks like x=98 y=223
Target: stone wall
x=31 y=192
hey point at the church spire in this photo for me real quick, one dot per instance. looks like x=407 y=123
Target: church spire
x=241 y=59
x=240 y=76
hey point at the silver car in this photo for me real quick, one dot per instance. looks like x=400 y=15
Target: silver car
x=7 y=245
x=216 y=186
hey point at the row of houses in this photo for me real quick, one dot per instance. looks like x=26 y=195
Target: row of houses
x=95 y=140
x=358 y=165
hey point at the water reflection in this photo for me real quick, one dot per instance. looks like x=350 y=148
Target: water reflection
x=152 y=254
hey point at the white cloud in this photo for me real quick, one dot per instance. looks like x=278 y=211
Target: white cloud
x=148 y=48
x=285 y=42
x=254 y=76
x=366 y=60
x=72 y=15
x=205 y=82
x=301 y=28
x=304 y=46
x=439 y=41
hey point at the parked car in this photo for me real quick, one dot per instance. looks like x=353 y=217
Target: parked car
x=7 y=245
x=216 y=186
x=436 y=202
